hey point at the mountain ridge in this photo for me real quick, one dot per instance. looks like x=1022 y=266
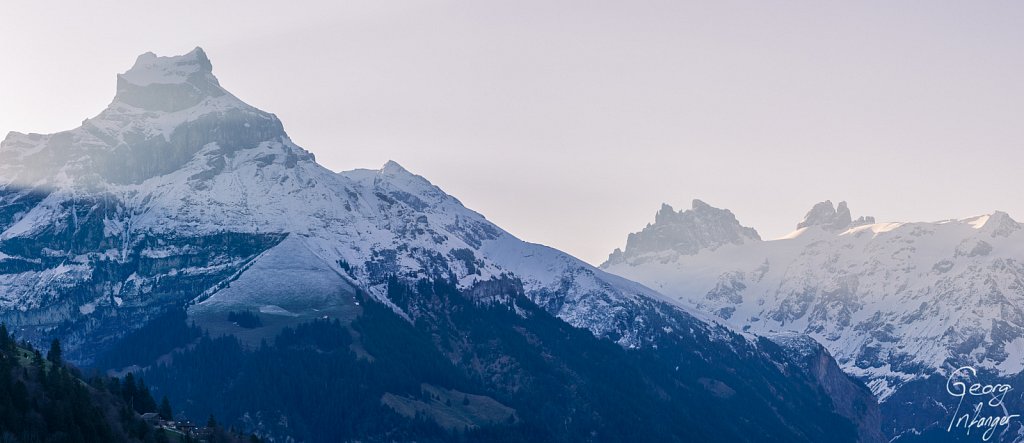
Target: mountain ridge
x=176 y=199
x=895 y=303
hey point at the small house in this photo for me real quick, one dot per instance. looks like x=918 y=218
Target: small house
x=151 y=418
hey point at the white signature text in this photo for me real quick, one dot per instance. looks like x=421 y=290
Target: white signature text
x=961 y=384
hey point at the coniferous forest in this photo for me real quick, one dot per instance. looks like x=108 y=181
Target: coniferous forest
x=45 y=399
x=42 y=399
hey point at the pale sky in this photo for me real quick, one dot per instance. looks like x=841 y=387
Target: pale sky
x=569 y=123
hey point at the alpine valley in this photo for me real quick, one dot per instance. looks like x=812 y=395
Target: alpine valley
x=902 y=306
x=182 y=237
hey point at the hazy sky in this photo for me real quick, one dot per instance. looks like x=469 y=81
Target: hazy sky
x=568 y=123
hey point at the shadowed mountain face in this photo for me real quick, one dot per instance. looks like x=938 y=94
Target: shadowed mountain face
x=900 y=305
x=180 y=199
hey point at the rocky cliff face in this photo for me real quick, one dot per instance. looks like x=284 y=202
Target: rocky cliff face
x=833 y=219
x=851 y=398
x=673 y=233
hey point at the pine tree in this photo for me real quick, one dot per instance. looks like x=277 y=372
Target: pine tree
x=211 y=422
x=114 y=386
x=128 y=390
x=145 y=402
x=39 y=365
x=165 y=409
x=55 y=355
x=6 y=343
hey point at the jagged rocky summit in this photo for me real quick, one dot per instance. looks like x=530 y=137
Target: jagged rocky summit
x=685 y=233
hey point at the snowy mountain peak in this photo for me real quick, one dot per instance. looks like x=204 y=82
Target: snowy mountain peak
x=397 y=175
x=825 y=215
x=684 y=233
x=698 y=204
x=665 y=213
x=392 y=169
x=996 y=224
x=168 y=84
x=407 y=186
x=169 y=113
x=831 y=218
x=152 y=69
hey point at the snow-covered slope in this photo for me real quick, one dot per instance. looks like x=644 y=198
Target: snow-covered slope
x=179 y=190
x=893 y=302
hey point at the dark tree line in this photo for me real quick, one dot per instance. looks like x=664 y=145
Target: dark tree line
x=43 y=399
